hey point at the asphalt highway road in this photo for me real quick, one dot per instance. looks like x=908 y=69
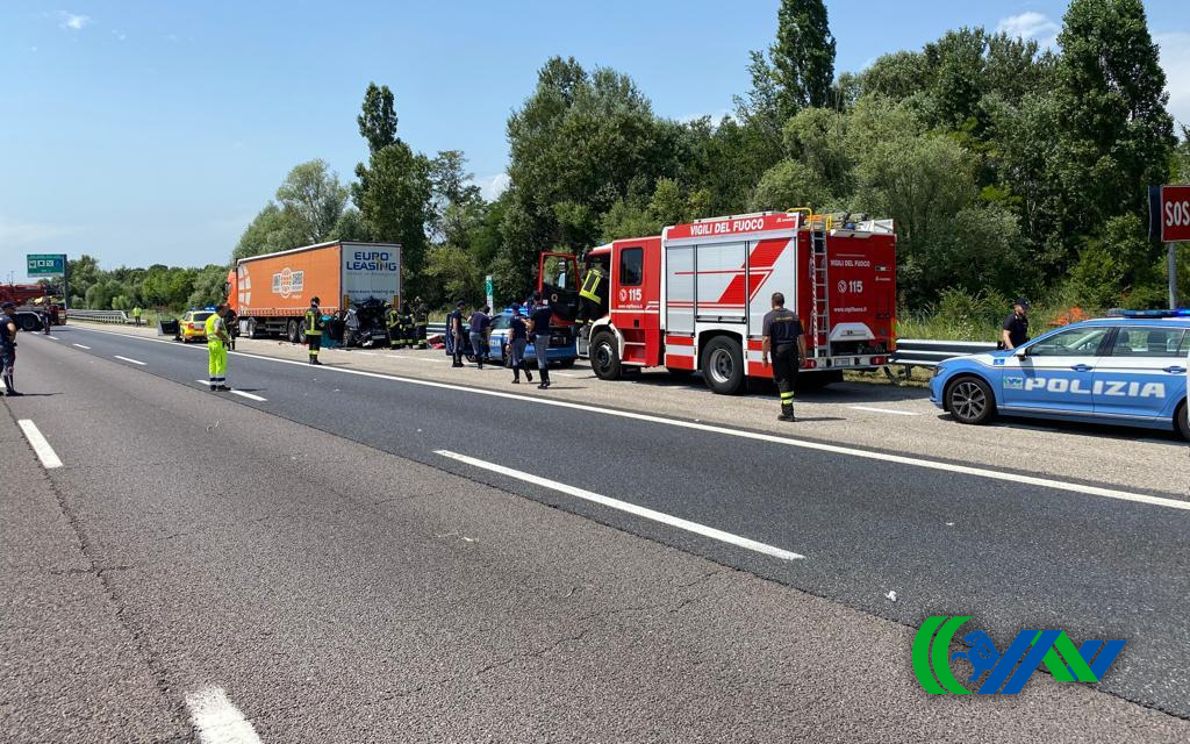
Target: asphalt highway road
x=269 y=547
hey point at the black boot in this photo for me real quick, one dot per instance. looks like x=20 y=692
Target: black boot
x=545 y=379
x=787 y=414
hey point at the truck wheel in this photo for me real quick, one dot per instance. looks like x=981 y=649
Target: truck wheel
x=605 y=358
x=970 y=400
x=252 y=328
x=1183 y=426
x=293 y=331
x=723 y=366
x=29 y=323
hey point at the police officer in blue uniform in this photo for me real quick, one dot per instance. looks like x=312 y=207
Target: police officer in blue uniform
x=785 y=339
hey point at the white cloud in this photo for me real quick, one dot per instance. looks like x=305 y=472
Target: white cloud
x=1175 y=60
x=1031 y=25
x=493 y=186
x=72 y=21
x=20 y=234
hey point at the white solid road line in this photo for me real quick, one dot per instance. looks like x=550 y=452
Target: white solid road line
x=45 y=453
x=217 y=720
x=884 y=410
x=52 y=338
x=241 y=393
x=624 y=506
x=126 y=359
x=88 y=348
x=1024 y=480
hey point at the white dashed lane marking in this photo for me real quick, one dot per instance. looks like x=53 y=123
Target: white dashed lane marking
x=241 y=393
x=884 y=410
x=624 y=506
x=130 y=361
x=217 y=719
x=45 y=453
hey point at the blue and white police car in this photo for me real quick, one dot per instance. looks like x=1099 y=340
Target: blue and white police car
x=562 y=351
x=1129 y=370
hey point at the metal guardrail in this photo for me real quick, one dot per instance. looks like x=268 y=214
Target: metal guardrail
x=98 y=316
x=923 y=353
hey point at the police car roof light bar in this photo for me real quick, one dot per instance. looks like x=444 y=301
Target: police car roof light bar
x=1181 y=312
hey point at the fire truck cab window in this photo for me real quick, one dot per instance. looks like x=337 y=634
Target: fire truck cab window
x=631 y=261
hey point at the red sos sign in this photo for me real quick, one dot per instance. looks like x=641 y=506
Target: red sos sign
x=1175 y=213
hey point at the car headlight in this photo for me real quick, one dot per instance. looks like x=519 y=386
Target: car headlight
x=937 y=371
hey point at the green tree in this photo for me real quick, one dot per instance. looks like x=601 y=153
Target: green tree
x=378 y=120
x=577 y=145
x=273 y=229
x=803 y=58
x=393 y=195
x=313 y=193
x=1115 y=135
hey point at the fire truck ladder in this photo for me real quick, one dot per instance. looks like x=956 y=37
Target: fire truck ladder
x=820 y=279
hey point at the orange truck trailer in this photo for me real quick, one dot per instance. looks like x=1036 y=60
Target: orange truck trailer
x=270 y=293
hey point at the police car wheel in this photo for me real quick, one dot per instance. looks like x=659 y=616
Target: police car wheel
x=970 y=400
x=1180 y=419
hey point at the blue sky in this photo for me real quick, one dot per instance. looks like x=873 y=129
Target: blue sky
x=145 y=131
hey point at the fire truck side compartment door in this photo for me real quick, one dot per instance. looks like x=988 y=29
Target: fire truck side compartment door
x=721 y=293
x=679 y=282
x=772 y=267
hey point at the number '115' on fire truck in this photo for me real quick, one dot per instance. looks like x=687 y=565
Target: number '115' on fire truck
x=694 y=298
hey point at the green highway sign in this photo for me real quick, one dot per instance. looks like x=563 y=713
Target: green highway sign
x=45 y=264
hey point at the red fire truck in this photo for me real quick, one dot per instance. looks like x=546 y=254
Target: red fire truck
x=693 y=298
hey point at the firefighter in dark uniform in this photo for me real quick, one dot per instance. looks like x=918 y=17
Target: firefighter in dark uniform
x=408 y=335
x=784 y=339
x=392 y=321
x=314 y=327
x=421 y=321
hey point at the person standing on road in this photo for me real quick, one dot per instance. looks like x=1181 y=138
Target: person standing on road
x=8 y=347
x=1016 y=326
x=539 y=327
x=217 y=340
x=480 y=323
x=408 y=335
x=421 y=321
x=232 y=321
x=518 y=339
x=455 y=333
x=314 y=326
x=392 y=322
x=785 y=339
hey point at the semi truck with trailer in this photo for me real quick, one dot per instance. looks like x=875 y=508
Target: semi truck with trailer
x=270 y=293
x=693 y=299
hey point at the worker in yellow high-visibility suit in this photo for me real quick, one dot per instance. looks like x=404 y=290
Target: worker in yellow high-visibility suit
x=217 y=341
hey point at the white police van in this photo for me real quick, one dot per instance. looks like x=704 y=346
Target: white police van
x=1129 y=370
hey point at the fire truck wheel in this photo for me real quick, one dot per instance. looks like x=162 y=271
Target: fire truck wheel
x=605 y=358
x=293 y=331
x=970 y=400
x=29 y=323
x=723 y=366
